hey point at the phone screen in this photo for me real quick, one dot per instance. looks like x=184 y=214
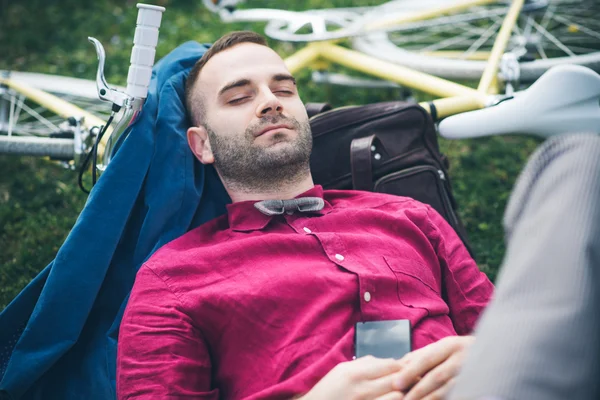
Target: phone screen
x=382 y=339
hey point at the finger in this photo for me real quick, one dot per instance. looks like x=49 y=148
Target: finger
x=442 y=392
x=391 y=396
x=421 y=361
x=435 y=379
x=381 y=386
x=369 y=367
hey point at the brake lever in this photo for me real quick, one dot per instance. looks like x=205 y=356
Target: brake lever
x=104 y=91
x=138 y=77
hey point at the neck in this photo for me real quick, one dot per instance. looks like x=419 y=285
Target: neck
x=283 y=191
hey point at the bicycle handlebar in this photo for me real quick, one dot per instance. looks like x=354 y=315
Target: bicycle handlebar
x=61 y=149
x=138 y=78
x=144 y=50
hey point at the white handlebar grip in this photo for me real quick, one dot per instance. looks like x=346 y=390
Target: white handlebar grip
x=144 y=50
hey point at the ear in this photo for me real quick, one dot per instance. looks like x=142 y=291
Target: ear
x=200 y=145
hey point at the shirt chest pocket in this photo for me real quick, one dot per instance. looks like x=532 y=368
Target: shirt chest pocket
x=417 y=286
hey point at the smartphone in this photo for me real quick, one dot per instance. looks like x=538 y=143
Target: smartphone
x=382 y=339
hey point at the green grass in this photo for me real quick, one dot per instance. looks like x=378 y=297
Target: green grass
x=40 y=201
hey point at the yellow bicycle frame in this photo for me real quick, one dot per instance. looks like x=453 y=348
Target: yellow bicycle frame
x=455 y=98
x=58 y=106
x=55 y=104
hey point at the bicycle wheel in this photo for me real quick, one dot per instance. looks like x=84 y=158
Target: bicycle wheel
x=29 y=128
x=548 y=33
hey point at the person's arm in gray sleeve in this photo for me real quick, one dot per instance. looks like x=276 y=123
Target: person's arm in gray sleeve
x=540 y=336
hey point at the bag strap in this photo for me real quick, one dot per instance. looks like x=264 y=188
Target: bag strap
x=360 y=162
x=313 y=109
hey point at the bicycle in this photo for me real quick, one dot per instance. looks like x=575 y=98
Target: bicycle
x=116 y=197
x=371 y=29
x=80 y=136
x=75 y=138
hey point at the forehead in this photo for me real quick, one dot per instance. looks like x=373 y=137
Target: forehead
x=243 y=61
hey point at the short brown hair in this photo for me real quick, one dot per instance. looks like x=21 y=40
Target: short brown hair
x=193 y=104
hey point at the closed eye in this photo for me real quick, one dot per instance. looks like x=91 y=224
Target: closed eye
x=236 y=101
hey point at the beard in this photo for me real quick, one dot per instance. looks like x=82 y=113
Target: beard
x=245 y=166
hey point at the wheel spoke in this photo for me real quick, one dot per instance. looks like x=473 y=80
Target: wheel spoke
x=99 y=108
x=548 y=16
x=39 y=117
x=422 y=38
x=462 y=26
x=11 y=113
x=451 y=20
x=467 y=28
x=553 y=39
x=582 y=28
x=541 y=50
x=416 y=39
x=482 y=39
x=528 y=27
x=516 y=28
x=16 y=105
x=553 y=32
x=448 y=42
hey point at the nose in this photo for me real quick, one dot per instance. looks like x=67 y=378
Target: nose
x=269 y=105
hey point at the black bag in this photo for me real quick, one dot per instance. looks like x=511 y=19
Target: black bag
x=386 y=147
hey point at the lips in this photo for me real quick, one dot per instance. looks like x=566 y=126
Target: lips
x=272 y=127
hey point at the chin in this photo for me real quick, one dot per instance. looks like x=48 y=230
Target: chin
x=278 y=145
x=279 y=139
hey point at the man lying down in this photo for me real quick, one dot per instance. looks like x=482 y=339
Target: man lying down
x=263 y=301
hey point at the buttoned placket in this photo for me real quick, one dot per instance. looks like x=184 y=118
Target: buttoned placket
x=337 y=253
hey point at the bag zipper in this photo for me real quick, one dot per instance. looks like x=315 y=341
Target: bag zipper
x=317 y=116
x=440 y=182
x=393 y=108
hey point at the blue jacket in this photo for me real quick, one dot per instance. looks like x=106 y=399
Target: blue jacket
x=58 y=337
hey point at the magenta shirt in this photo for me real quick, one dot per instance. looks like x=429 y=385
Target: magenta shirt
x=250 y=306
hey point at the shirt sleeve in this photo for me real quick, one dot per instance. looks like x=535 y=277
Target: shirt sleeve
x=161 y=355
x=466 y=289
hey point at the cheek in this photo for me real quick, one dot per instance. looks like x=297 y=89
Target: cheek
x=230 y=122
x=298 y=110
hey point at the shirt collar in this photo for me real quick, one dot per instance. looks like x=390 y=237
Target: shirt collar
x=243 y=216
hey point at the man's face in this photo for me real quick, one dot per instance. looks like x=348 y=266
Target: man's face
x=254 y=118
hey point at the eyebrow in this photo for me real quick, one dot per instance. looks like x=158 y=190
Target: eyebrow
x=244 y=82
x=284 y=77
x=234 y=84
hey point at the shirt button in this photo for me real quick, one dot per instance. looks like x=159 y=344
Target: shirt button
x=339 y=257
x=367 y=297
x=307 y=230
